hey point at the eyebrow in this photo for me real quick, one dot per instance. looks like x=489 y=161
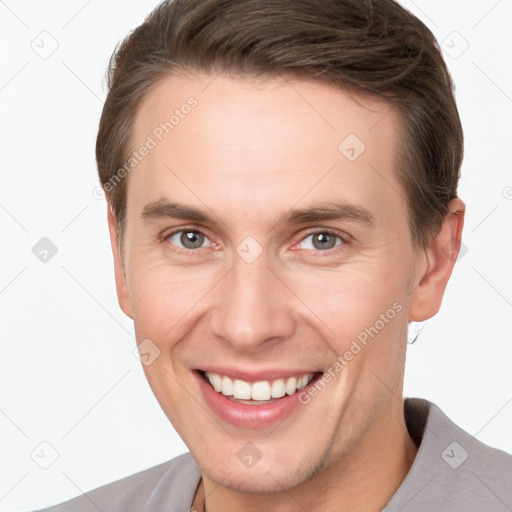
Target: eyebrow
x=163 y=209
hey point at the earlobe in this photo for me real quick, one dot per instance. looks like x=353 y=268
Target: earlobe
x=123 y=295
x=441 y=255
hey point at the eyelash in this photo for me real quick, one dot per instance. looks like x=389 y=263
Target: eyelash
x=336 y=248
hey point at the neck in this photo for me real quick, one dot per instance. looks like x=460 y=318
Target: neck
x=363 y=480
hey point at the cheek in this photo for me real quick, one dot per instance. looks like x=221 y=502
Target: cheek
x=164 y=297
x=350 y=301
x=167 y=305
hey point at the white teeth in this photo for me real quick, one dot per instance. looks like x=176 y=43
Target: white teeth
x=258 y=391
x=241 y=390
x=216 y=381
x=291 y=386
x=277 y=390
x=227 y=386
x=303 y=382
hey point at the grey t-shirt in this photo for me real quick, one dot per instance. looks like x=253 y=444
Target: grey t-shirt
x=452 y=472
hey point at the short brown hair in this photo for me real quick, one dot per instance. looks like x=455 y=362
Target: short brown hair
x=372 y=46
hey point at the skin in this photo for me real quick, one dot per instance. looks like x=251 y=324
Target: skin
x=247 y=154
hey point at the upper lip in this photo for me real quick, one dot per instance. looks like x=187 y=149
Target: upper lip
x=257 y=375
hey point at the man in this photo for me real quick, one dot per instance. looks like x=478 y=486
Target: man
x=282 y=187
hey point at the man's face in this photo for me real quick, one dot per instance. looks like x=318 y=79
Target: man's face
x=253 y=291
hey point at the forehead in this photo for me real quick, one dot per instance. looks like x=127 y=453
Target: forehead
x=263 y=143
x=272 y=112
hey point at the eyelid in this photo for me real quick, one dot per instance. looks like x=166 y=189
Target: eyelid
x=164 y=237
x=342 y=236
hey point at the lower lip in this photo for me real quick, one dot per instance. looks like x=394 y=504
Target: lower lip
x=249 y=416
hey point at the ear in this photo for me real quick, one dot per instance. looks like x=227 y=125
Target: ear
x=123 y=295
x=440 y=255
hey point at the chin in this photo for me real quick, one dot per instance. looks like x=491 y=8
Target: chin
x=262 y=478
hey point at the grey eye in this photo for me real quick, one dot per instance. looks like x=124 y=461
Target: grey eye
x=321 y=241
x=188 y=239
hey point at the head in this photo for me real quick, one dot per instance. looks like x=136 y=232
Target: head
x=281 y=180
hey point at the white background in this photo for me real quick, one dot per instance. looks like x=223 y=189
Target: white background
x=69 y=376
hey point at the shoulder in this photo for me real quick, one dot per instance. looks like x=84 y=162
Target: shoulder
x=171 y=485
x=453 y=470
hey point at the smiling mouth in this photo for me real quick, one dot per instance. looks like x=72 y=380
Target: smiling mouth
x=260 y=392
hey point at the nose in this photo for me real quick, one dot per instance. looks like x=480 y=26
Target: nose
x=253 y=306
